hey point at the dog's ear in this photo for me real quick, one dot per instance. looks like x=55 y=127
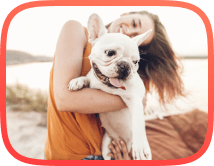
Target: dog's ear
x=139 y=39
x=96 y=28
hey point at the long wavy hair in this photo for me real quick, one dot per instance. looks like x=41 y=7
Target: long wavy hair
x=159 y=67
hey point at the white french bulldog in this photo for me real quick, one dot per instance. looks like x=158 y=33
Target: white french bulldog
x=114 y=59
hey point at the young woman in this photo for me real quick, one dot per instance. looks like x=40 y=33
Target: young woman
x=74 y=130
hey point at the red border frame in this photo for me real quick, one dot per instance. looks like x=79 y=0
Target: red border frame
x=109 y=3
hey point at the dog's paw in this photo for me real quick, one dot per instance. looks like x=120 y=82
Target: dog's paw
x=105 y=157
x=141 y=151
x=78 y=83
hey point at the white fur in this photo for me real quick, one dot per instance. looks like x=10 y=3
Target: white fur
x=127 y=124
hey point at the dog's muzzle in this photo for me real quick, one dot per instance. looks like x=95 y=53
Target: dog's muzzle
x=123 y=70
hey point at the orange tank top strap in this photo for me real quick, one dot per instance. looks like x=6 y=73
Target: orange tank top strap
x=86 y=66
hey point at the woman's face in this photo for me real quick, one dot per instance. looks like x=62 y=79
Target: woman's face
x=133 y=25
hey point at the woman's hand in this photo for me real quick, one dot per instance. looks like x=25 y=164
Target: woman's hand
x=118 y=154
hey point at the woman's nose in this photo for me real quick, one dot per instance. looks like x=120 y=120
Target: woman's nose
x=131 y=32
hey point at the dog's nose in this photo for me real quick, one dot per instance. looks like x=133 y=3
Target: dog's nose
x=124 y=69
x=123 y=65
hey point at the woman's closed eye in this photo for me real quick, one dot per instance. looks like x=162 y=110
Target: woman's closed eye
x=139 y=22
x=134 y=23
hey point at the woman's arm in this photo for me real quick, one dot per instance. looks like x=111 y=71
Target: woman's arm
x=68 y=65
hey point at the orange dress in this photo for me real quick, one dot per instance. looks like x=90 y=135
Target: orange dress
x=72 y=136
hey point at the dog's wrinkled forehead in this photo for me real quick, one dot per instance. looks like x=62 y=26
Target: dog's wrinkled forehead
x=117 y=42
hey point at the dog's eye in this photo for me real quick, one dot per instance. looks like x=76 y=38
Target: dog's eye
x=110 y=53
x=135 y=62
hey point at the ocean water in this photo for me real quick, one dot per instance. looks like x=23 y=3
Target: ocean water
x=33 y=75
x=195 y=77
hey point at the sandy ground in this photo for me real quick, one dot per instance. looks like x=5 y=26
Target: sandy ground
x=25 y=134
x=28 y=138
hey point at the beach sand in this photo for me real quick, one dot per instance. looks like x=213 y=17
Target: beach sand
x=25 y=134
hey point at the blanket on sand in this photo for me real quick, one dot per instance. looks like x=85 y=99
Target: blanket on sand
x=177 y=136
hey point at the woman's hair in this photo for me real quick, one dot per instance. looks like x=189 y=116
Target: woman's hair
x=158 y=66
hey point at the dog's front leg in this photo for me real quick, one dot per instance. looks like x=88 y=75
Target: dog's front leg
x=105 y=149
x=140 y=146
x=78 y=83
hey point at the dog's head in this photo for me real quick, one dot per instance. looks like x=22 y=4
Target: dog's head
x=114 y=56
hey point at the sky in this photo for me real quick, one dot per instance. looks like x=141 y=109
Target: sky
x=36 y=30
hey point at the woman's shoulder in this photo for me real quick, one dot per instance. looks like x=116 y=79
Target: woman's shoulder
x=75 y=27
x=73 y=23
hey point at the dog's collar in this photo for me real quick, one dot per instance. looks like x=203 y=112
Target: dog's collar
x=96 y=75
x=105 y=80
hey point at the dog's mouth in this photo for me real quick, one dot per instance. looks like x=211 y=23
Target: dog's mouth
x=109 y=81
